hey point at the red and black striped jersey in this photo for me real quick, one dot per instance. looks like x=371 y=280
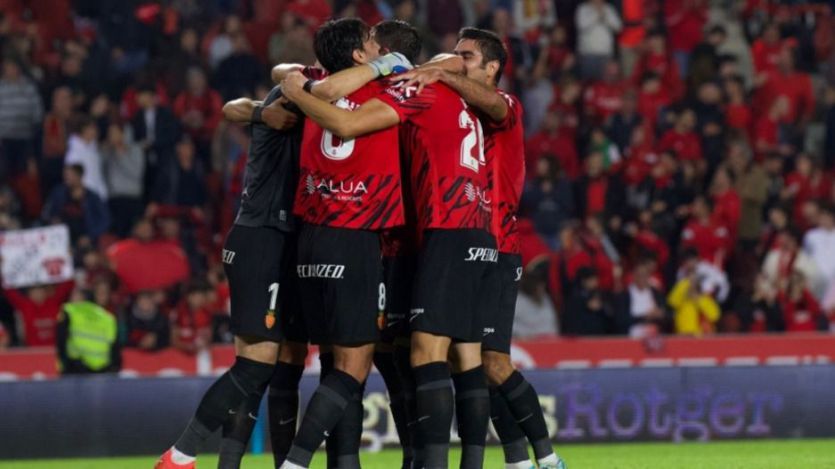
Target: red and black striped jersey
x=445 y=142
x=505 y=153
x=350 y=183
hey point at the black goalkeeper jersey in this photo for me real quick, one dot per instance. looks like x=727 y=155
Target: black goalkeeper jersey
x=272 y=172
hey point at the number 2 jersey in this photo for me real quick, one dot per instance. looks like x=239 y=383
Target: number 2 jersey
x=352 y=183
x=504 y=152
x=445 y=143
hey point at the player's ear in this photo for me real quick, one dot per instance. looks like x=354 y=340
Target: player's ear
x=493 y=68
x=359 y=56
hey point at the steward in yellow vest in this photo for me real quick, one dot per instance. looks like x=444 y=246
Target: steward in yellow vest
x=87 y=339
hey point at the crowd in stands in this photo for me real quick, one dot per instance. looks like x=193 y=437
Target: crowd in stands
x=680 y=155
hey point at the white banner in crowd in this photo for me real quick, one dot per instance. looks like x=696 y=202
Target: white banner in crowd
x=36 y=256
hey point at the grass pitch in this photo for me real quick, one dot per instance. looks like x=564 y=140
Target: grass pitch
x=765 y=454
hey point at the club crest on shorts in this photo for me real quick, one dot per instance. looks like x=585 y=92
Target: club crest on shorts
x=269 y=319
x=381 y=320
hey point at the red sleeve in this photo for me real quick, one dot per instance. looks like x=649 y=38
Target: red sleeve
x=405 y=100
x=63 y=290
x=511 y=119
x=18 y=300
x=812 y=304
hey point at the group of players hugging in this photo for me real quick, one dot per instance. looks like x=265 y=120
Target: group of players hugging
x=383 y=230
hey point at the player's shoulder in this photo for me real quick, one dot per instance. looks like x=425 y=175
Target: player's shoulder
x=511 y=99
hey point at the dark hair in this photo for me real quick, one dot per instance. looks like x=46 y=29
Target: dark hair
x=336 y=41
x=76 y=168
x=398 y=36
x=491 y=45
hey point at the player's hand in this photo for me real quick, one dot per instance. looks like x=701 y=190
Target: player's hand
x=293 y=85
x=421 y=77
x=393 y=62
x=277 y=117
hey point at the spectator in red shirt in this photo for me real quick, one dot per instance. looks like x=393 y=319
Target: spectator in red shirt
x=652 y=99
x=702 y=233
x=568 y=97
x=796 y=86
x=554 y=141
x=737 y=110
x=560 y=58
x=191 y=328
x=683 y=140
x=656 y=59
x=600 y=193
x=807 y=182
x=38 y=310
x=199 y=110
x=766 y=49
x=726 y=203
x=801 y=311
x=605 y=97
x=768 y=138
x=685 y=20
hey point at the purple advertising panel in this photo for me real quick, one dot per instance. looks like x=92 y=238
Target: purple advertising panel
x=112 y=416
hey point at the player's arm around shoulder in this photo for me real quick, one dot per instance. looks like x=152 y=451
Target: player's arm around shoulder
x=274 y=115
x=372 y=116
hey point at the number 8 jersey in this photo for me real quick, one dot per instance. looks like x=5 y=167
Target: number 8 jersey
x=445 y=142
x=353 y=183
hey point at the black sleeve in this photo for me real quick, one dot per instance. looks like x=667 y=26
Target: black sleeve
x=62 y=327
x=115 y=357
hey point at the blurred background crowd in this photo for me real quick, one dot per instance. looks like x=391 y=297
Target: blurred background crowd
x=679 y=155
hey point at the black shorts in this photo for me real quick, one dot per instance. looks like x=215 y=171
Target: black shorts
x=399 y=272
x=341 y=286
x=498 y=326
x=455 y=284
x=260 y=266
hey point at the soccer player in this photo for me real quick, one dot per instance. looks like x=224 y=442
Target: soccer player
x=515 y=408
x=258 y=258
x=350 y=191
x=457 y=251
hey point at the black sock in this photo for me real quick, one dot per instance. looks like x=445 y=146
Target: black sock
x=397 y=400
x=347 y=435
x=236 y=433
x=472 y=409
x=513 y=440
x=245 y=379
x=283 y=407
x=434 y=411
x=326 y=407
x=332 y=441
x=402 y=362
x=523 y=402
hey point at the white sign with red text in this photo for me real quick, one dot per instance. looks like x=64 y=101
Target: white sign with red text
x=36 y=256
